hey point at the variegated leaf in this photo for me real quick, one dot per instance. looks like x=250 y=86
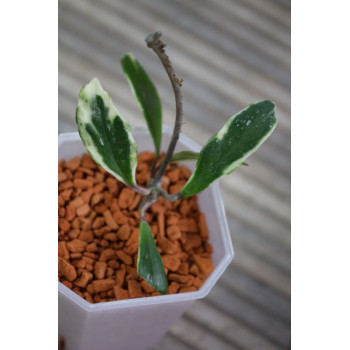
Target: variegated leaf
x=105 y=134
x=225 y=151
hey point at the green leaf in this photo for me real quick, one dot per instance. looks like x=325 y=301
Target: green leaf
x=147 y=96
x=188 y=155
x=225 y=151
x=149 y=261
x=185 y=155
x=106 y=136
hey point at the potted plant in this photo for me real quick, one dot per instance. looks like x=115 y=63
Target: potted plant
x=139 y=323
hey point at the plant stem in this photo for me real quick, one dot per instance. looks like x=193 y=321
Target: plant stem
x=147 y=201
x=157 y=45
x=141 y=190
x=154 y=191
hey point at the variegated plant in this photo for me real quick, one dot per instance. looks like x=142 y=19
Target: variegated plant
x=108 y=139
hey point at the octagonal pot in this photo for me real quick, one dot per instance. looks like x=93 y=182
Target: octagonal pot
x=136 y=324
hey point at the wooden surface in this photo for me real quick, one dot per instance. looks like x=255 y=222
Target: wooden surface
x=229 y=53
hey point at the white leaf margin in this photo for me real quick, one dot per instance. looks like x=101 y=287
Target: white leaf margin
x=84 y=116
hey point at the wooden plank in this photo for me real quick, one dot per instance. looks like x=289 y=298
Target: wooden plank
x=239 y=12
x=197 y=337
x=132 y=116
x=260 y=173
x=258 y=253
x=66 y=108
x=170 y=342
x=285 y=4
x=65 y=126
x=106 y=39
x=257 y=293
x=250 y=315
x=228 y=327
x=191 y=23
x=225 y=26
x=260 y=198
x=269 y=9
x=259 y=244
x=241 y=209
x=263 y=271
x=203 y=51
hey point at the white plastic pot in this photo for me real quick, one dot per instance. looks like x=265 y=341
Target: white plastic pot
x=138 y=324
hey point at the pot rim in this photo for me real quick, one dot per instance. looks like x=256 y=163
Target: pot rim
x=163 y=299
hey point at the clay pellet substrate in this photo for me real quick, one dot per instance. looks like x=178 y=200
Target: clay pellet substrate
x=98 y=232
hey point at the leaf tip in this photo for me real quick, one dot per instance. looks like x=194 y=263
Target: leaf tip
x=149 y=262
x=128 y=56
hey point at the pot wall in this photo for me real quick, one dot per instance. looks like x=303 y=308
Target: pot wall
x=136 y=324
x=128 y=328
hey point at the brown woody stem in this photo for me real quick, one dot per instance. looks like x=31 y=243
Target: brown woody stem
x=153 y=41
x=151 y=197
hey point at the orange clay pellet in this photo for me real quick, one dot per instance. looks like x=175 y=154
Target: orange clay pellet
x=146 y=287
x=102 y=285
x=62 y=250
x=205 y=265
x=66 y=269
x=111 y=237
x=134 y=289
x=127 y=259
x=171 y=262
x=86 y=236
x=112 y=185
x=107 y=254
x=173 y=288
x=62 y=177
x=187 y=289
x=173 y=232
x=96 y=199
x=167 y=246
x=100 y=269
x=183 y=268
x=120 y=275
x=84 y=279
x=99 y=232
x=188 y=225
x=126 y=198
x=68 y=284
x=203 y=229
x=110 y=220
x=83 y=210
x=76 y=202
x=76 y=246
x=73 y=164
x=82 y=184
x=121 y=293
x=124 y=232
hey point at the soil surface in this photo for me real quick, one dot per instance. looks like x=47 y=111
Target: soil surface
x=98 y=232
